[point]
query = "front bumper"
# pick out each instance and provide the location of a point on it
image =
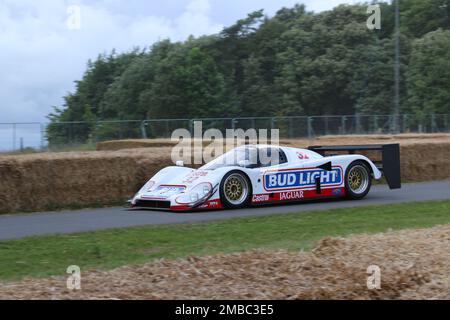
(152, 204)
(172, 205)
(159, 202)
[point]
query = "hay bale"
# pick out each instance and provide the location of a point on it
(43, 181)
(425, 161)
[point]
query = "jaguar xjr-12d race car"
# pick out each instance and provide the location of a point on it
(259, 174)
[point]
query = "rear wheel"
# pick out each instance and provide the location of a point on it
(235, 190)
(358, 180)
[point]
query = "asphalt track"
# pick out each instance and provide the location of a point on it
(23, 225)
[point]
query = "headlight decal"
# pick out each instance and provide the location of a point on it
(147, 187)
(197, 194)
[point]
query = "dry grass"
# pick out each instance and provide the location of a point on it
(415, 264)
(46, 181)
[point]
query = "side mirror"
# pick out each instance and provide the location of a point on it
(180, 163)
(244, 163)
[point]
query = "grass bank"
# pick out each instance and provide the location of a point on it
(51, 255)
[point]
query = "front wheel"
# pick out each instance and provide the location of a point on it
(235, 190)
(358, 180)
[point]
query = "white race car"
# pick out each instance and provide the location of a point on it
(259, 174)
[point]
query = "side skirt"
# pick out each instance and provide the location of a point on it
(297, 195)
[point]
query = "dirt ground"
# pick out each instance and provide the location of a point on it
(414, 264)
(47, 181)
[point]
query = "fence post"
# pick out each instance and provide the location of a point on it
(447, 129)
(96, 131)
(391, 124)
(343, 120)
(167, 129)
(433, 123)
(143, 130)
(42, 135)
(358, 124)
(310, 128)
(14, 136)
(405, 123)
(291, 129)
(191, 127)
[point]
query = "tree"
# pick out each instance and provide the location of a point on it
(419, 17)
(187, 85)
(428, 75)
(123, 100)
(87, 99)
(258, 96)
(295, 63)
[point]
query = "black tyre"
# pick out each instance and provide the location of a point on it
(235, 190)
(358, 180)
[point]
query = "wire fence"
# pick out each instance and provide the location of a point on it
(45, 136)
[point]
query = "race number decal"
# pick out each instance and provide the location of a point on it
(302, 156)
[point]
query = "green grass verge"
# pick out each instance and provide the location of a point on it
(50, 255)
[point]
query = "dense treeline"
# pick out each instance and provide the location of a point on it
(295, 63)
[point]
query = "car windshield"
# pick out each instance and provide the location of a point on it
(243, 157)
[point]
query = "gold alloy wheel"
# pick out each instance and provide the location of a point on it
(233, 189)
(355, 179)
(358, 179)
(236, 189)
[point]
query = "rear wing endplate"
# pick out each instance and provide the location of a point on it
(389, 164)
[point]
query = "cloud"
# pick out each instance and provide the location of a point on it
(195, 18)
(321, 5)
(41, 57)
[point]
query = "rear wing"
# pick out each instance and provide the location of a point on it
(389, 164)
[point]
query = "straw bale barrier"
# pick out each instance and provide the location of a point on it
(47, 181)
(57, 180)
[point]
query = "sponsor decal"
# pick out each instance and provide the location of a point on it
(195, 176)
(164, 191)
(291, 195)
(212, 204)
(170, 189)
(302, 178)
(199, 173)
(260, 198)
(296, 195)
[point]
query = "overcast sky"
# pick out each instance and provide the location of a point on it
(41, 56)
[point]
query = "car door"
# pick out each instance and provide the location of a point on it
(269, 159)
